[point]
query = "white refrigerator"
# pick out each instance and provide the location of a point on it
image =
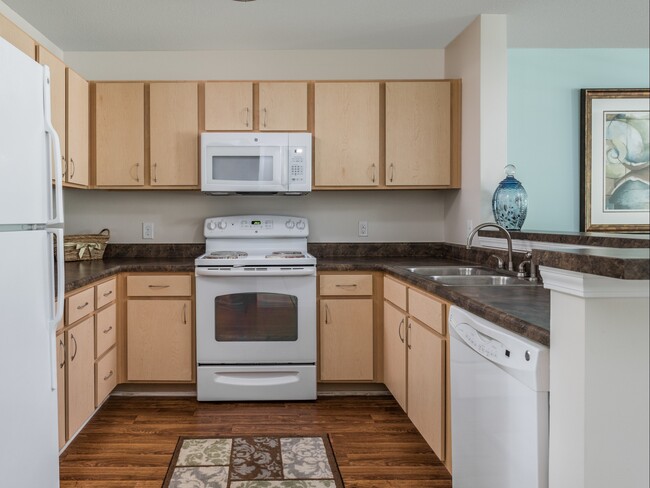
(31, 215)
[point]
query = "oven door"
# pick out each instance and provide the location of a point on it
(256, 319)
(252, 168)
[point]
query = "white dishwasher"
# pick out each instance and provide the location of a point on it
(499, 406)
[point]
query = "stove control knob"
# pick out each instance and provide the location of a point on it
(300, 225)
(222, 224)
(211, 225)
(290, 224)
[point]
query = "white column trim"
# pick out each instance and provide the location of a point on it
(593, 286)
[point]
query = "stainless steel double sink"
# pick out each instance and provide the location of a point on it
(468, 276)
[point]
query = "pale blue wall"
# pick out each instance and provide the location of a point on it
(544, 122)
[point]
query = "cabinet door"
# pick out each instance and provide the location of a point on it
(282, 106)
(346, 339)
(174, 132)
(60, 386)
(159, 340)
(426, 385)
(229, 105)
(57, 96)
(81, 373)
(77, 101)
(119, 134)
(418, 133)
(346, 134)
(395, 352)
(17, 37)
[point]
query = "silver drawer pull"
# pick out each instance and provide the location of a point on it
(106, 331)
(108, 293)
(83, 306)
(74, 354)
(399, 331)
(159, 286)
(354, 285)
(62, 346)
(108, 375)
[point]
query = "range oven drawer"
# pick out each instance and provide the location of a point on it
(256, 382)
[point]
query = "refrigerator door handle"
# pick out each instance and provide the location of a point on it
(56, 292)
(55, 214)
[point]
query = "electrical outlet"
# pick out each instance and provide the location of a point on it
(147, 230)
(363, 228)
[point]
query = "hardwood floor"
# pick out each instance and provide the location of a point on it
(130, 441)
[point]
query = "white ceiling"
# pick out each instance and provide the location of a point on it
(171, 25)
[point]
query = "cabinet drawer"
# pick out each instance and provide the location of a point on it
(427, 310)
(106, 292)
(80, 304)
(105, 328)
(346, 285)
(105, 376)
(159, 286)
(395, 292)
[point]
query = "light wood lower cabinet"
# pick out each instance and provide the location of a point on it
(159, 340)
(415, 360)
(346, 327)
(61, 361)
(80, 340)
(160, 328)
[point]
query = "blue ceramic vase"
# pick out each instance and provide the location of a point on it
(510, 201)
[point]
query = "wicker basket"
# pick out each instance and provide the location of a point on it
(84, 247)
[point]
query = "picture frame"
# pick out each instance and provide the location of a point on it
(614, 163)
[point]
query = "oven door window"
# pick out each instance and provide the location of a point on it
(256, 317)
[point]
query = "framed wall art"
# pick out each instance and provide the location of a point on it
(615, 160)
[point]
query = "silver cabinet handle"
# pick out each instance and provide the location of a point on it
(155, 172)
(374, 176)
(248, 111)
(327, 314)
(106, 331)
(108, 375)
(62, 346)
(108, 293)
(185, 313)
(351, 285)
(399, 331)
(65, 167)
(83, 306)
(408, 336)
(73, 167)
(392, 172)
(159, 286)
(136, 166)
(264, 111)
(74, 354)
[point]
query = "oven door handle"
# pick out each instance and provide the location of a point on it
(257, 271)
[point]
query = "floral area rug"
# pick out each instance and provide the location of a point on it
(254, 462)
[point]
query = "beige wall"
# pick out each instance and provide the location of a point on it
(479, 57)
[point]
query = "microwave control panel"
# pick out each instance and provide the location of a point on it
(297, 164)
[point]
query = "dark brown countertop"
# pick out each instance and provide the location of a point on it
(524, 310)
(82, 273)
(625, 264)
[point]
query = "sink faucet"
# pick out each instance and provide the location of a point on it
(503, 230)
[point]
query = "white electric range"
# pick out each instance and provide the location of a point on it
(256, 310)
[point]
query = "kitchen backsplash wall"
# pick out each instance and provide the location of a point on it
(392, 216)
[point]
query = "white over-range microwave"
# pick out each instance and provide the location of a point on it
(256, 163)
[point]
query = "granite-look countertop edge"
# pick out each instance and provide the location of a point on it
(81, 273)
(624, 264)
(523, 310)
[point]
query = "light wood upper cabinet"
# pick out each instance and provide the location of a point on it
(77, 100)
(229, 106)
(57, 97)
(418, 133)
(17, 37)
(282, 106)
(119, 134)
(174, 134)
(346, 134)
